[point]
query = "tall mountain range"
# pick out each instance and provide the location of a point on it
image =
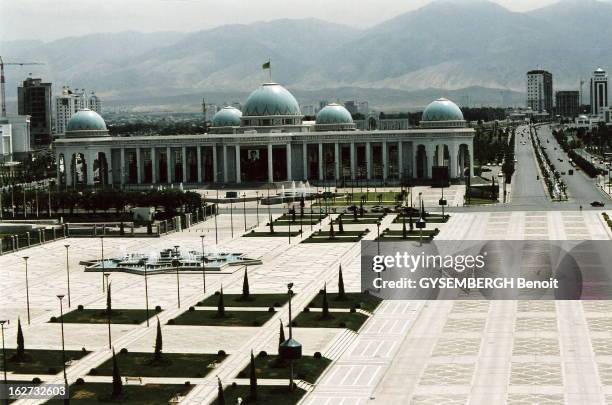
(473, 50)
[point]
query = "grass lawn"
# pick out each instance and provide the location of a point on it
(255, 300)
(349, 219)
(267, 234)
(429, 218)
(364, 301)
(266, 394)
(129, 316)
(339, 320)
(307, 368)
(232, 318)
(149, 394)
(479, 201)
(188, 365)
(325, 239)
(41, 361)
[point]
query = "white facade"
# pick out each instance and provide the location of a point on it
(539, 91)
(599, 93)
(20, 133)
(6, 143)
(69, 102)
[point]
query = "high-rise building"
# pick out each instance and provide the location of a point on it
(34, 99)
(69, 102)
(540, 91)
(363, 108)
(567, 103)
(351, 106)
(599, 92)
(6, 145)
(21, 144)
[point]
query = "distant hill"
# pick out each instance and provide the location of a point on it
(475, 51)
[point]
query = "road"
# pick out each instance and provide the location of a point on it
(581, 189)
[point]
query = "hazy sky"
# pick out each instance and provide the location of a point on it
(52, 19)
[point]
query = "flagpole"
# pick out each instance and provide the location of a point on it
(270, 70)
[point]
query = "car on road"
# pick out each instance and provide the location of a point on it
(597, 204)
(377, 208)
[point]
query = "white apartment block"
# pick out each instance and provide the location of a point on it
(69, 102)
(599, 93)
(539, 91)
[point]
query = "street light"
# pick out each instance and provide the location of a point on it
(61, 297)
(378, 236)
(257, 206)
(176, 263)
(203, 268)
(244, 209)
(290, 349)
(143, 263)
(102, 251)
(68, 273)
(2, 322)
(216, 213)
(232, 216)
(25, 258)
(109, 311)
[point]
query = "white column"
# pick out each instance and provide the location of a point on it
(289, 176)
(238, 163)
(305, 159)
(184, 161)
(400, 160)
(415, 162)
(440, 149)
(138, 167)
(121, 166)
(270, 166)
(430, 158)
(385, 161)
(90, 164)
(225, 163)
(453, 161)
(369, 160)
(215, 165)
(320, 161)
(169, 164)
(471, 150)
(338, 160)
(109, 166)
(199, 157)
(153, 166)
(352, 155)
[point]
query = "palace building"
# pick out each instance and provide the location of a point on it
(269, 141)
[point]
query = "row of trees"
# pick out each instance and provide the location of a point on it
(95, 201)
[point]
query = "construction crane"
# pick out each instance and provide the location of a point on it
(2, 63)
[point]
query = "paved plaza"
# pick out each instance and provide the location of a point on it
(464, 352)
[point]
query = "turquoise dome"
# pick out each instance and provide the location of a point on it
(271, 99)
(334, 114)
(86, 120)
(227, 117)
(442, 110)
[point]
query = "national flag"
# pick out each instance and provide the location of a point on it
(266, 65)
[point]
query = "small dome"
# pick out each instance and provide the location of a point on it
(271, 99)
(334, 114)
(227, 117)
(86, 120)
(442, 110)
(583, 117)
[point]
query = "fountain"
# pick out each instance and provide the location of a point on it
(164, 262)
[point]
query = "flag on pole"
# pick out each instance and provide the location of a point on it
(266, 65)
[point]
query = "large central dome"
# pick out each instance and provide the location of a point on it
(442, 110)
(271, 99)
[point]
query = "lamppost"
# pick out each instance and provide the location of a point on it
(257, 206)
(143, 263)
(289, 218)
(102, 251)
(216, 213)
(176, 263)
(108, 311)
(2, 322)
(68, 273)
(290, 349)
(61, 297)
(378, 236)
(232, 216)
(25, 258)
(244, 209)
(203, 268)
